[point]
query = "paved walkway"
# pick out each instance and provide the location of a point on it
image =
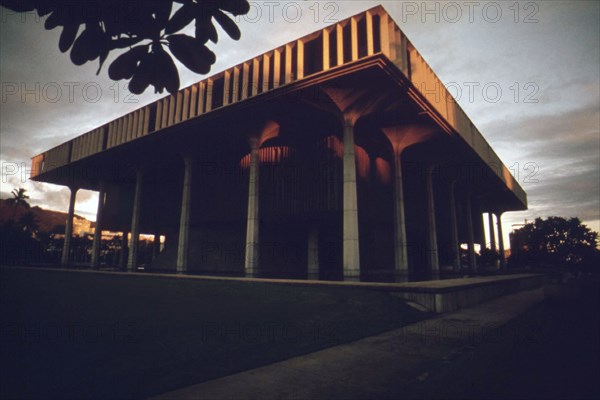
(381, 366)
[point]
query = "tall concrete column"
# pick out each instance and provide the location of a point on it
(98, 231)
(69, 228)
(313, 254)
(351, 255)
(155, 246)
(400, 246)
(453, 228)
(432, 250)
(500, 241)
(252, 241)
(184, 221)
(470, 235)
(480, 229)
(352, 104)
(124, 250)
(135, 223)
(401, 137)
(492, 232)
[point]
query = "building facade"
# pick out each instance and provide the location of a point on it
(339, 155)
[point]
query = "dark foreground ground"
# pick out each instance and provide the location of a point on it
(83, 335)
(78, 335)
(552, 351)
(519, 346)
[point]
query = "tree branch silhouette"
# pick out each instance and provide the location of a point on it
(92, 29)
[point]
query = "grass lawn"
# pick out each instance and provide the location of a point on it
(84, 335)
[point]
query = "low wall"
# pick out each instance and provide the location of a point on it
(438, 296)
(455, 294)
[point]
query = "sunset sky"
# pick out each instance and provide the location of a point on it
(543, 56)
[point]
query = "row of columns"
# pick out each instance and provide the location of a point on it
(129, 247)
(401, 138)
(351, 255)
(432, 252)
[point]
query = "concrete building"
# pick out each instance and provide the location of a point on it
(339, 155)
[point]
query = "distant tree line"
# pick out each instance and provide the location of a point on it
(22, 242)
(555, 244)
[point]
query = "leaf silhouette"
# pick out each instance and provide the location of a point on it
(180, 19)
(228, 25)
(53, 20)
(192, 53)
(67, 37)
(162, 11)
(205, 30)
(80, 50)
(125, 65)
(44, 8)
(103, 52)
(142, 76)
(166, 74)
(235, 7)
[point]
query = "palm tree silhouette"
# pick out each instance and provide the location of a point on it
(19, 200)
